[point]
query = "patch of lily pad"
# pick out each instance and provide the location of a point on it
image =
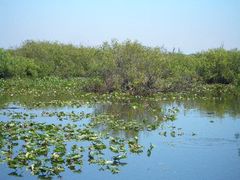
(42, 148)
(46, 149)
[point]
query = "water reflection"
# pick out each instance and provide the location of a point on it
(237, 135)
(47, 147)
(215, 107)
(62, 139)
(127, 119)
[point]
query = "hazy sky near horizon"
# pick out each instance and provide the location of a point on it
(191, 25)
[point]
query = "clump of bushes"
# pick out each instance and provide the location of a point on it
(11, 66)
(127, 67)
(219, 66)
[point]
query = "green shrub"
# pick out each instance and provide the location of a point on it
(128, 66)
(219, 66)
(17, 66)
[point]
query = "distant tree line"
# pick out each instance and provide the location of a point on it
(128, 66)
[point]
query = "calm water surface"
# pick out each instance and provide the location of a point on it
(206, 145)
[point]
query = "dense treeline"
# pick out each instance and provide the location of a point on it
(128, 66)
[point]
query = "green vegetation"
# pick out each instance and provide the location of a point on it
(11, 66)
(124, 67)
(127, 87)
(46, 127)
(72, 140)
(54, 91)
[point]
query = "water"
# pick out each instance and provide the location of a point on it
(202, 143)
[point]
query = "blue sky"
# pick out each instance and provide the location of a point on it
(191, 25)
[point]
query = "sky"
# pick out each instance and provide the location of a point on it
(191, 25)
